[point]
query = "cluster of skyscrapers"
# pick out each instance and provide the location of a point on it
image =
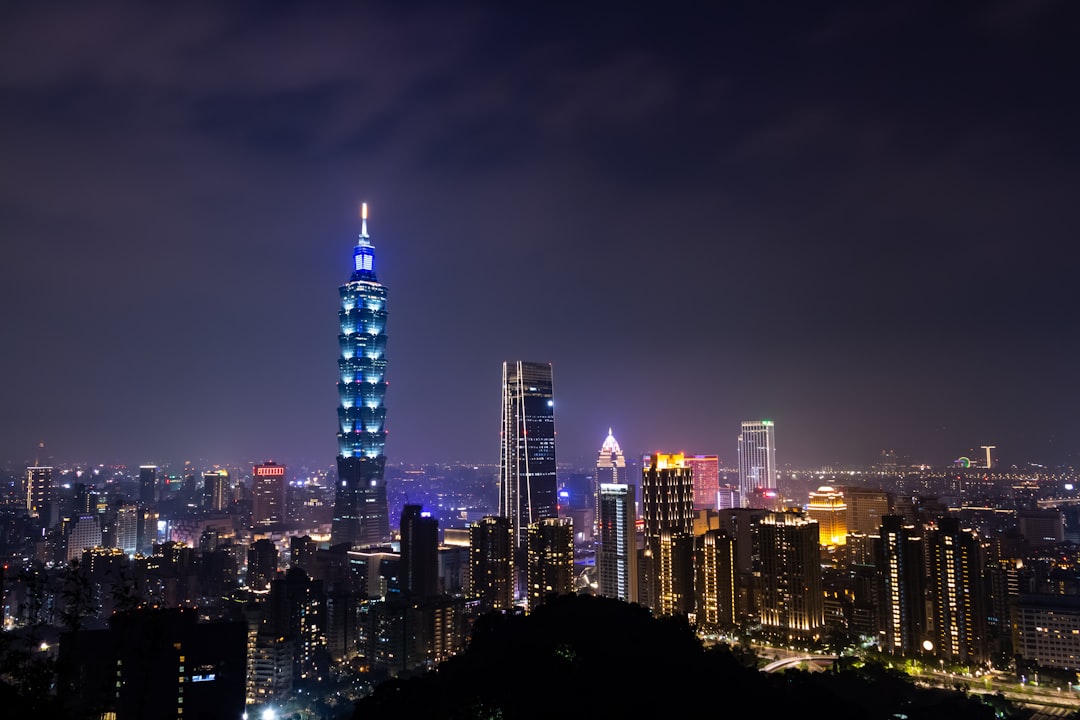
(666, 532)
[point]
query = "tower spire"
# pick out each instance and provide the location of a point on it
(363, 220)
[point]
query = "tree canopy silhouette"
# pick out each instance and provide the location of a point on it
(582, 656)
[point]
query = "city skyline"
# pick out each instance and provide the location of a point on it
(855, 221)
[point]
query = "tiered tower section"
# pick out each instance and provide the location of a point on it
(360, 509)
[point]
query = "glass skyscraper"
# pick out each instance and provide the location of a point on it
(757, 461)
(527, 483)
(361, 516)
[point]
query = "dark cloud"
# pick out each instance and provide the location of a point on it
(855, 219)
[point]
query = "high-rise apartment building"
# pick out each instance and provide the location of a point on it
(667, 506)
(616, 550)
(757, 460)
(267, 494)
(491, 563)
(706, 479)
(901, 603)
(262, 564)
(550, 560)
(296, 609)
(715, 581)
(127, 529)
(528, 491)
(39, 493)
(956, 589)
(792, 600)
(741, 524)
(361, 514)
(216, 491)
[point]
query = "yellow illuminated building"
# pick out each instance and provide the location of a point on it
(827, 506)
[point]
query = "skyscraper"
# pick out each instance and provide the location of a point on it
(715, 582)
(267, 494)
(827, 506)
(757, 460)
(610, 469)
(792, 602)
(616, 552)
(216, 491)
(527, 482)
(956, 590)
(706, 479)
(361, 515)
(667, 506)
(901, 606)
(38, 489)
(148, 484)
(419, 552)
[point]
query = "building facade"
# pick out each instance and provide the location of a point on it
(827, 506)
(217, 495)
(267, 494)
(148, 481)
(39, 491)
(491, 564)
(550, 569)
(715, 584)
(528, 488)
(706, 479)
(667, 506)
(901, 594)
(616, 549)
(791, 604)
(361, 513)
(419, 552)
(757, 460)
(956, 585)
(611, 469)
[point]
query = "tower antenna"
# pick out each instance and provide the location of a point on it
(363, 220)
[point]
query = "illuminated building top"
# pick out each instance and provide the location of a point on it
(610, 446)
(362, 364)
(361, 516)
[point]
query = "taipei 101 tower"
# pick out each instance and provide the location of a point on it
(361, 516)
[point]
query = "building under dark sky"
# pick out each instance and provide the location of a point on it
(528, 486)
(361, 514)
(856, 219)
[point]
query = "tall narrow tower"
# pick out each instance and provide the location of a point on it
(527, 483)
(610, 469)
(361, 516)
(757, 461)
(667, 508)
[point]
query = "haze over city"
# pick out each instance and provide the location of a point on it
(854, 219)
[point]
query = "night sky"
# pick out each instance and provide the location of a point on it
(855, 219)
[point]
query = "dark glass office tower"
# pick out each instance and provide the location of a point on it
(361, 516)
(527, 484)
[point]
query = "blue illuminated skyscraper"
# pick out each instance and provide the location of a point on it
(361, 516)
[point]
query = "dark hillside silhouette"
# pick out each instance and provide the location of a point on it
(582, 656)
